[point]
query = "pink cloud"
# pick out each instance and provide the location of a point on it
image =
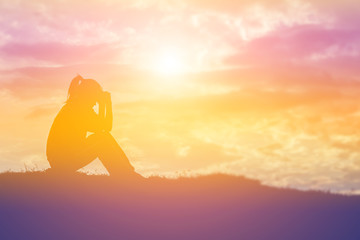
(296, 45)
(67, 33)
(61, 53)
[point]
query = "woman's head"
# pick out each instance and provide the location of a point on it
(84, 91)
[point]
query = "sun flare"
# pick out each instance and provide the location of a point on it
(170, 62)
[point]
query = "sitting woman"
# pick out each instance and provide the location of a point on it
(68, 146)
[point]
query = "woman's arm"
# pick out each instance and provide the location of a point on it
(103, 120)
(108, 118)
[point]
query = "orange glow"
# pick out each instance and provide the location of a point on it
(266, 89)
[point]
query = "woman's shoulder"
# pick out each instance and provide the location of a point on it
(75, 110)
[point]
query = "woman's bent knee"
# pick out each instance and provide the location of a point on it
(100, 141)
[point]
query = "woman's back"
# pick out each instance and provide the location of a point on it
(68, 132)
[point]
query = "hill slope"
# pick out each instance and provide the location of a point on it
(39, 206)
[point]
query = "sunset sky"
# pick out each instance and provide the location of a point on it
(267, 89)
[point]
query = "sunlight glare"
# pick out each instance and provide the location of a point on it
(170, 62)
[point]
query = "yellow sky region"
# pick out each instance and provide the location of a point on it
(200, 123)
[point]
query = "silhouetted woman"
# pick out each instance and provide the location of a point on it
(68, 146)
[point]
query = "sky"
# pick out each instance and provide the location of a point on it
(266, 89)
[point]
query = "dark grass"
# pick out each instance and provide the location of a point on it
(42, 206)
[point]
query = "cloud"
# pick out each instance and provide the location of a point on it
(59, 53)
(236, 7)
(52, 31)
(299, 45)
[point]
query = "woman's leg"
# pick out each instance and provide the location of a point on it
(110, 154)
(69, 163)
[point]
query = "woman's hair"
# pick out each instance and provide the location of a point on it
(83, 88)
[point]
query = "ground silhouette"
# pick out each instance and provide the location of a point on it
(40, 206)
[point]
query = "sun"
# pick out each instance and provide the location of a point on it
(169, 62)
